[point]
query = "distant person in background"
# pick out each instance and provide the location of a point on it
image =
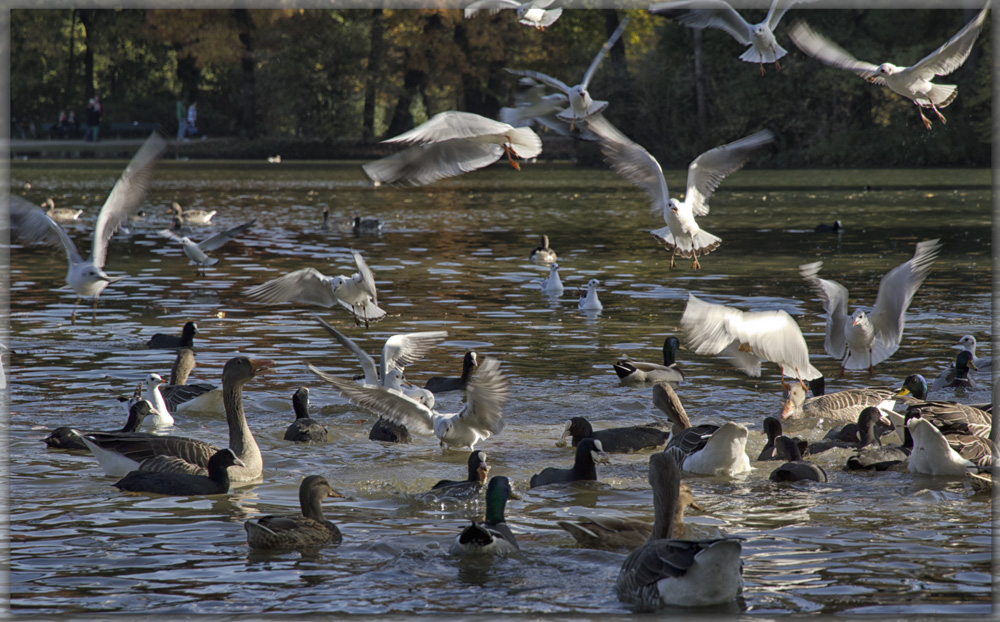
(94, 113)
(72, 127)
(61, 127)
(192, 119)
(182, 124)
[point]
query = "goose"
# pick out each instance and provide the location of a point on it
(162, 341)
(86, 277)
(686, 573)
(796, 469)
(708, 449)
(759, 38)
(397, 352)
(480, 418)
(184, 397)
(863, 340)
(68, 438)
(589, 300)
(441, 384)
(478, 469)
(746, 337)
(589, 453)
(609, 532)
(552, 285)
(184, 484)
(536, 13)
(632, 372)
(309, 286)
(195, 251)
(616, 440)
(932, 454)
(119, 453)
(581, 105)
(366, 226)
(304, 429)
(191, 216)
(61, 214)
(161, 416)
(843, 406)
(492, 536)
(914, 82)
(310, 529)
(451, 143)
(682, 235)
(543, 253)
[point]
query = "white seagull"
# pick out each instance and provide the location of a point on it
(865, 340)
(480, 418)
(160, 414)
(914, 82)
(357, 294)
(701, 14)
(746, 337)
(196, 250)
(588, 299)
(531, 13)
(581, 105)
(980, 363)
(397, 352)
(682, 234)
(451, 143)
(87, 277)
(552, 285)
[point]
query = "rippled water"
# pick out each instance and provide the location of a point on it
(454, 256)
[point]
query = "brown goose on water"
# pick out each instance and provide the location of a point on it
(306, 530)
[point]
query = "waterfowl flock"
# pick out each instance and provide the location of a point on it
(663, 564)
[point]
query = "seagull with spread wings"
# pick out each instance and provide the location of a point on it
(538, 13)
(196, 250)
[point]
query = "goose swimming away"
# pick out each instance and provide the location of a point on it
(86, 277)
(61, 214)
(543, 253)
(708, 449)
(304, 429)
(589, 453)
(191, 216)
(492, 536)
(184, 484)
(119, 453)
(451, 143)
(864, 340)
(164, 341)
(442, 384)
(581, 105)
(68, 438)
(624, 440)
(552, 285)
(685, 573)
(536, 13)
(308, 286)
(682, 235)
(632, 372)
(309, 529)
(480, 418)
(472, 484)
(588, 299)
(914, 82)
(700, 14)
(196, 250)
(747, 337)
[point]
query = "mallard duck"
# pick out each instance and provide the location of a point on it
(980, 363)
(843, 406)
(68, 438)
(120, 452)
(492, 536)
(957, 375)
(184, 397)
(686, 573)
(304, 429)
(588, 299)
(932, 453)
(796, 469)
(865, 340)
(165, 342)
(442, 384)
(630, 371)
(616, 440)
(949, 417)
(478, 469)
(306, 530)
(61, 214)
(542, 253)
(709, 449)
(552, 284)
(191, 216)
(589, 453)
(184, 484)
(609, 532)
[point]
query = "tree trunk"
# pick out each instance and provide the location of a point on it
(248, 84)
(699, 82)
(87, 19)
(371, 78)
(402, 118)
(67, 102)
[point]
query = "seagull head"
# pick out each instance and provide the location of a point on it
(885, 69)
(858, 317)
(675, 207)
(154, 380)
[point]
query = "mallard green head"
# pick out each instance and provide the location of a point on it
(914, 385)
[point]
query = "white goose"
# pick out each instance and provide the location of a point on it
(708, 448)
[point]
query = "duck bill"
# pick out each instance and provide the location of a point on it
(334, 493)
(787, 409)
(562, 439)
(695, 505)
(261, 366)
(903, 392)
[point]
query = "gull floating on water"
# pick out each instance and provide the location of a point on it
(87, 277)
(682, 233)
(588, 300)
(864, 340)
(746, 337)
(531, 13)
(451, 143)
(914, 82)
(552, 285)
(196, 250)
(357, 294)
(581, 105)
(701, 14)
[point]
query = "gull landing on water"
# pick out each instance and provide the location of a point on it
(196, 250)
(452, 143)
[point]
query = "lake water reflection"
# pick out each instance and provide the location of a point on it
(453, 256)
